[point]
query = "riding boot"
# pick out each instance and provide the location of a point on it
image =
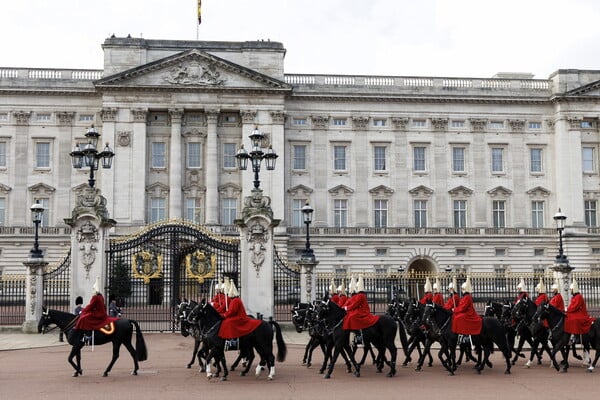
(471, 343)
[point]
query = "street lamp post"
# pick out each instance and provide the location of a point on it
(89, 156)
(307, 212)
(37, 210)
(560, 218)
(256, 155)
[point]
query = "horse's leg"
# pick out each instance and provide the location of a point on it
(423, 355)
(307, 349)
(76, 353)
(391, 346)
(519, 349)
(250, 359)
(327, 355)
(115, 356)
(194, 353)
(347, 361)
(131, 350)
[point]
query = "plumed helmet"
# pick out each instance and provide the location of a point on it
(332, 286)
(555, 286)
(466, 286)
(360, 284)
(233, 292)
(352, 285)
(453, 286)
(226, 284)
(521, 286)
(427, 286)
(436, 285)
(96, 287)
(574, 286)
(342, 288)
(540, 287)
(217, 284)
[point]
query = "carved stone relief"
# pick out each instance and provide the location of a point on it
(108, 114)
(22, 117)
(64, 117)
(124, 138)
(258, 236)
(320, 121)
(192, 73)
(400, 123)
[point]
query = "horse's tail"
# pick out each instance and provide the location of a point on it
(403, 337)
(141, 352)
(281, 347)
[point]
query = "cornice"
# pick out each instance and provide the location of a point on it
(416, 99)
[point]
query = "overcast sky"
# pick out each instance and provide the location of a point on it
(444, 38)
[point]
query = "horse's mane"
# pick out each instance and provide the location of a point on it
(60, 318)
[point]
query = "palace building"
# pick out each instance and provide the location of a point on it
(404, 173)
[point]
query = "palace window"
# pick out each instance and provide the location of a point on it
(535, 160)
(379, 163)
(339, 121)
(299, 157)
(590, 207)
(193, 210)
(420, 213)
(297, 217)
(340, 213)
(229, 152)
(419, 159)
(587, 155)
(159, 155)
(537, 214)
(499, 213)
(157, 209)
(3, 154)
(497, 159)
(457, 124)
(458, 159)
(380, 213)
(339, 158)
(194, 152)
(460, 213)
(299, 121)
(228, 211)
(535, 125)
(42, 154)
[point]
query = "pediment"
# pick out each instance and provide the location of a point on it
(591, 89)
(192, 69)
(421, 190)
(460, 191)
(230, 190)
(538, 191)
(341, 190)
(499, 191)
(4, 189)
(381, 190)
(41, 188)
(300, 190)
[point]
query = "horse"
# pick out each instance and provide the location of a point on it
(304, 318)
(560, 339)
(413, 322)
(261, 340)
(121, 335)
(492, 332)
(522, 313)
(397, 310)
(187, 328)
(382, 335)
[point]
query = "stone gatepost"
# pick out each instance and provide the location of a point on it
(307, 279)
(34, 295)
(561, 271)
(90, 224)
(256, 243)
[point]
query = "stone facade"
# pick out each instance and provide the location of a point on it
(417, 173)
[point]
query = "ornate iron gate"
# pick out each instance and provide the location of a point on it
(286, 287)
(57, 285)
(151, 271)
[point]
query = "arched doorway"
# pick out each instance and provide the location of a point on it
(418, 270)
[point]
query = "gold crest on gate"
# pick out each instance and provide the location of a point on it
(199, 266)
(147, 266)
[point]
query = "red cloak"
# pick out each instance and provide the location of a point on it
(438, 299)
(428, 296)
(358, 314)
(578, 320)
(465, 319)
(558, 302)
(94, 316)
(452, 302)
(541, 299)
(236, 322)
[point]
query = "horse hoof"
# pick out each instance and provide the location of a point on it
(223, 378)
(269, 378)
(326, 376)
(478, 372)
(391, 374)
(590, 369)
(357, 374)
(105, 374)
(417, 368)
(189, 366)
(308, 365)
(242, 373)
(133, 372)
(209, 376)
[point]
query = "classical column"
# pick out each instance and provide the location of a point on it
(176, 160)
(19, 213)
(212, 169)
(276, 178)
(136, 199)
(34, 293)
(248, 125)
(65, 146)
(107, 181)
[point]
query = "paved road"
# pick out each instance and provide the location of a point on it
(43, 373)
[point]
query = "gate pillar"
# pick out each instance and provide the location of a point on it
(562, 273)
(307, 279)
(256, 242)
(34, 293)
(90, 224)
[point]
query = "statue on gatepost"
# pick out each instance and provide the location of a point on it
(90, 223)
(256, 241)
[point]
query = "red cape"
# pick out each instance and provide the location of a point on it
(358, 314)
(94, 316)
(578, 320)
(236, 322)
(465, 319)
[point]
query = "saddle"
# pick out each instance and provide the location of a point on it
(108, 329)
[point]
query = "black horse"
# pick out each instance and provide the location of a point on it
(187, 328)
(503, 311)
(123, 331)
(304, 318)
(261, 340)
(382, 335)
(413, 322)
(492, 332)
(560, 339)
(397, 309)
(522, 313)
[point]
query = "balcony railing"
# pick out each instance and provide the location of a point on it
(411, 231)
